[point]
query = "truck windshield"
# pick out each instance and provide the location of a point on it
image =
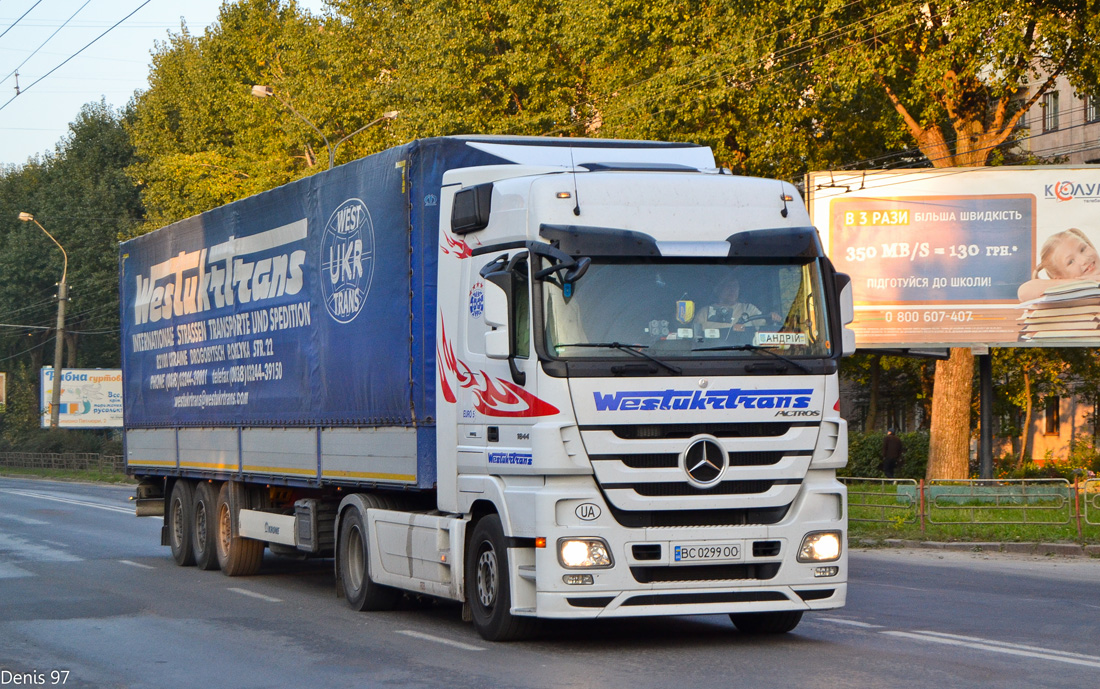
(688, 309)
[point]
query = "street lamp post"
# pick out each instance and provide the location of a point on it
(261, 91)
(62, 297)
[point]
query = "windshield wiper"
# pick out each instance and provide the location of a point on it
(753, 348)
(635, 349)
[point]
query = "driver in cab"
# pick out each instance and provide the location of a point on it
(729, 314)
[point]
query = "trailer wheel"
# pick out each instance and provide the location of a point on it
(204, 529)
(360, 592)
(237, 556)
(180, 522)
(487, 588)
(766, 622)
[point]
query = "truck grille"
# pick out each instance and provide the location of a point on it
(683, 431)
(638, 468)
(668, 460)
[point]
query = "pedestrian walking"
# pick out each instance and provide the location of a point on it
(892, 449)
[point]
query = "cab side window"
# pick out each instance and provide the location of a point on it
(521, 311)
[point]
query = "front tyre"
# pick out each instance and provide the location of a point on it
(766, 622)
(488, 591)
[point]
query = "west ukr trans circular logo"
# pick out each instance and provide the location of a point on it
(347, 260)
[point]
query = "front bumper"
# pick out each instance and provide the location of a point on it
(645, 579)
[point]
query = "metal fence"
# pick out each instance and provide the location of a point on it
(883, 500)
(68, 461)
(1090, 496)
(993, 501)
(1043, 502)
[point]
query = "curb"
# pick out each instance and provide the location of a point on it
(1043, 549)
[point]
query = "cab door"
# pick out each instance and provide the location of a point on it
(497, 395)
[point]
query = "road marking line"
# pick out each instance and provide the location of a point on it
(24, 520)
(1007, 644)
(853, 623)
(895, 586)
(136, 564)
(253, 594)
(1000, 647)
(69, 501)
(439, 640)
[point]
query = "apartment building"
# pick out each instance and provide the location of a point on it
(1063, 125)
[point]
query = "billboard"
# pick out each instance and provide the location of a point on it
(90, 397)
(966, 257)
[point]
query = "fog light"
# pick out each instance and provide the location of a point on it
(820, 546)
(578, 579)
(582, 553)
(826, 571)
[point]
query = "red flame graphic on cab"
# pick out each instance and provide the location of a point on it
(493, 396)
(456, 247)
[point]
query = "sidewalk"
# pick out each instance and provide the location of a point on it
(1047, 549)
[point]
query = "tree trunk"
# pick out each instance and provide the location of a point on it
(1025, 434)
(949, 441)
(872, 404)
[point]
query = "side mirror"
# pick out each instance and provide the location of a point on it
(847, 313)
(499, 302)
(497, 340)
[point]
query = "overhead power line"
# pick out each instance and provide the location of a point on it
(43, 44)
(10, 27)
(66, 60)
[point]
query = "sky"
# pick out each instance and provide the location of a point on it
(111, 68)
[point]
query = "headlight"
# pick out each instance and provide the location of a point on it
(820, 546)
(579, 553)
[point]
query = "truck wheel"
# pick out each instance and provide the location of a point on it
(360, 592)
(766, 622)
(204, 529)
(487, 588)
(237, 556)
(180, 521)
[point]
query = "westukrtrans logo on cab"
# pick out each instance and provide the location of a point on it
(692, 400)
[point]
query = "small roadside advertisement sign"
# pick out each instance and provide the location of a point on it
(90, 397)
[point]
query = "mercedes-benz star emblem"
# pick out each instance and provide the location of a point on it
(704, 461)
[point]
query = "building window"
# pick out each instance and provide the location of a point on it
(1050, 415)
(1092, 112)
(1050, 112)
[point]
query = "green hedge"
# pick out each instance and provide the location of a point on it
(865, 455)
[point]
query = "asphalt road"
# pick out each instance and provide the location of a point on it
(87, 592)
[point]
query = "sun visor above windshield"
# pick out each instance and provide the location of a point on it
(781, 242)
(577, 240)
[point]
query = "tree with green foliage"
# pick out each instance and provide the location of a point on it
(955, 73)
(82, 196)
(1027, 375)
(893, 386)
